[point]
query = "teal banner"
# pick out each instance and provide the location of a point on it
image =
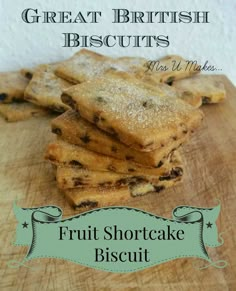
(117, 239)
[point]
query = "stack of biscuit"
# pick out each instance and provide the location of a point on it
(120, 138)
(123, 122)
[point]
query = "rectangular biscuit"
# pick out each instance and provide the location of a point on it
(75, 130)
(171, 68)
(20, 111)
(133, 111)
(45, 89)
(82, 66)
(203, 87)
(69, 177)
(12, 87)
(88, 198)
(69, 155)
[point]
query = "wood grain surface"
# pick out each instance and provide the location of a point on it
(210, 174)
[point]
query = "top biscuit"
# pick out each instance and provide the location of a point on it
(132, 111)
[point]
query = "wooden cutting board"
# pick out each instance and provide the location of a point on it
(210, 174)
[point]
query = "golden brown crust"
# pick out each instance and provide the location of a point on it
(133, 111)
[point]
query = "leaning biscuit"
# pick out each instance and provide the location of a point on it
(65, 154)
(45, 89)
(12, 87)
(204, 87)
(132, 111)
(76, 130)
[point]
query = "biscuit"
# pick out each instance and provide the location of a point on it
(84, 199)
(132, 111)
(69, 155)
(45, 89)
(204, 87)
(20, 111)
(171, 68)
(69, 177)
(75, 130)
(12, 87)
(83, 66)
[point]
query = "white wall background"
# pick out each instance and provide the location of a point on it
(31, 44)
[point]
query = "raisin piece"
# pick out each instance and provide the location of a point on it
(131, 170)
(76, 163)
(29, 75)
(51, 158)
(121, 182)
(114, 149)
(57, 131)
(68, 100)
(170, 80)
(140, 179)
(177, 172)
(148, 104)
(112, 131)
(174, 173)
(159, 188)
(206, 100)
(185, 131)
(87, 203)
(159, 164)
(95, 118)
(101, 100)
(78, 181)
(3, 96)
(85, 138)
(128, 158)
